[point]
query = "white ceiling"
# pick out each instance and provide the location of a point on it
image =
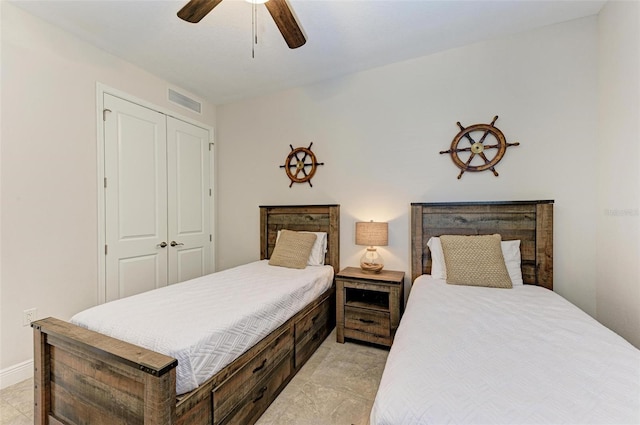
(213, 58)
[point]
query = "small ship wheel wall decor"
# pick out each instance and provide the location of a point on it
(301, 165)
(480, 150)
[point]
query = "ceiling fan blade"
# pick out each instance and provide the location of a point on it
(286, 22)
(195, 10)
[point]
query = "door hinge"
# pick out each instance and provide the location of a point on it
(209, 192)
(104, 114)
(210, 144)
(210, 238)
(105, 182)
(106, 249)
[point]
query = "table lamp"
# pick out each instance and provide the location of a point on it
(372, 234)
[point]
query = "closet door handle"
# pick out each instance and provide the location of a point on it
(162, 244)
(174, 243)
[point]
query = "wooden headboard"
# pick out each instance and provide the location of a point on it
(529, 221)
(312, 218)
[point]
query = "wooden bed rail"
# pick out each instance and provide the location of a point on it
(120, 383)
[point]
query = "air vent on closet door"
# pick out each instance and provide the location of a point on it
(185, 101)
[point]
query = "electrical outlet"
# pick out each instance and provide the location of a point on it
(29, 316)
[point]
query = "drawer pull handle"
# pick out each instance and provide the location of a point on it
(264, 362)
(315, 336)
(367, 321)
(314, 318)
(262, 391)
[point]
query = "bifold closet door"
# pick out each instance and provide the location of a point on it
(157, 224)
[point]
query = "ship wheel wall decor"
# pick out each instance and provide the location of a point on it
(301, 165)
(478, 150)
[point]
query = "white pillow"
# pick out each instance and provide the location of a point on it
(510, 252)
(316, 257)
(438, 269)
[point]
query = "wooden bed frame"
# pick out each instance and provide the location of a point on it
(529, 221)
(84, 377)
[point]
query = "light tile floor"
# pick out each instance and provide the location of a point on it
(336, 386)
(16, 404)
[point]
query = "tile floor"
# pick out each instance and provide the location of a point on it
(16, 404)
(335, 387)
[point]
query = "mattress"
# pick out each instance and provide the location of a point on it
(474, 355)
(207, 322)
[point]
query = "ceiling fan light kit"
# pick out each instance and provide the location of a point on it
(279, 10)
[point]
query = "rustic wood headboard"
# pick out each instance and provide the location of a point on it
(311, 218)
(529, 221)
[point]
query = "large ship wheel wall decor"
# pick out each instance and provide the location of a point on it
(301, 165)
(478, 150)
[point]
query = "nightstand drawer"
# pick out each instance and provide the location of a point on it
(370, 321)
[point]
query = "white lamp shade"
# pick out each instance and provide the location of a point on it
(372, 233)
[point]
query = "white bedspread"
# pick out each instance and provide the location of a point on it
(472, 355)
(208, 322)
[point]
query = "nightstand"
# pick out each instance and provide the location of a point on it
(368, 305)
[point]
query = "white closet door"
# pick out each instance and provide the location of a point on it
(188, 200)
(135, 198)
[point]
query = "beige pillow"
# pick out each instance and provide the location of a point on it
(292, 249)
(475, 261)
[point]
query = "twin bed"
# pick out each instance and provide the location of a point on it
(487, 355)
(462, 354)
(213, 350)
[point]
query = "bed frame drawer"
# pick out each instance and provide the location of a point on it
(235, 389)
(249, 409)
(312, 329)
(369, 321)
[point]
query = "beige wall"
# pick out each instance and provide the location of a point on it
(379, 134)
(618, 239)
(49, 172)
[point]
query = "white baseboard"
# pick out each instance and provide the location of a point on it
(16, 373)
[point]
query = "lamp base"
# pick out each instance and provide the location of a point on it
(371, 261)
(371, 267)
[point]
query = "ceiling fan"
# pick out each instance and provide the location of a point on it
(195, 10)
